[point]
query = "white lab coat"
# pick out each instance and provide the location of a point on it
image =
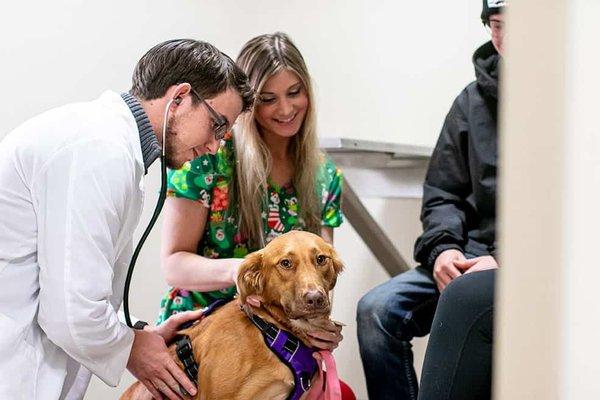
(70, 198)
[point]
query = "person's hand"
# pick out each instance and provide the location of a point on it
(476, 264)
(254, 300)
(444, 269)
(168, 329)
(328, 336)
(151, 363)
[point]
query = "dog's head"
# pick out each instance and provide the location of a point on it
(295, 272)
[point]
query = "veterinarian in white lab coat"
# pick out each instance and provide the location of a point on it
(71, 193)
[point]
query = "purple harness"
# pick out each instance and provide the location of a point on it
(287, 347)
(292, 352)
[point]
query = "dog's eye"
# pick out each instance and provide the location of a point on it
(321, 259)
(285, 263)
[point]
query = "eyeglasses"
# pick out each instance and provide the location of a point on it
(494, 27)
(219, 121)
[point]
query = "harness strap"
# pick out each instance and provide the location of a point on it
(266, 328)
(290, 344)
(186, 356)
(290, 350)
(183, 344)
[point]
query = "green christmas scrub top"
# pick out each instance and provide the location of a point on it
(206, 180)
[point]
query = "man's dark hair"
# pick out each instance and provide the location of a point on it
(202, 65)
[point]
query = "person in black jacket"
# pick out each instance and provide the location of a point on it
(459, 230)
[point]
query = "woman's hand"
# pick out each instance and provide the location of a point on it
(328, 337)
(168, 329)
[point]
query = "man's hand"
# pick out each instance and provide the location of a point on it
(476, 264)
(151, 363)
(444, 269)
(168, 329)
(328, 337)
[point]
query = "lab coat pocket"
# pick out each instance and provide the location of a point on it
(18, 361)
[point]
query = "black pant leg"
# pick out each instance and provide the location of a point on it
(458, 361)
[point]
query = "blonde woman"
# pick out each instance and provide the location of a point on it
(268, 178)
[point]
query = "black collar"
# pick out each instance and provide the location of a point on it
(150, 148)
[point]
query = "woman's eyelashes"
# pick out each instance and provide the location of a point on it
(266, 100)
(272, 99)
(294, 91)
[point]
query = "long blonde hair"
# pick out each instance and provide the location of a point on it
(260, 59)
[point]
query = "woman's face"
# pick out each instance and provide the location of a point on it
(282, 104)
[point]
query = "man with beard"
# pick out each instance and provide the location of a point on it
(70, 198)
(459, 238)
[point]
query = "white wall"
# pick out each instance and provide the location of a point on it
(383, 70)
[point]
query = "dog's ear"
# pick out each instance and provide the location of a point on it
(250, 279)
(338, 266)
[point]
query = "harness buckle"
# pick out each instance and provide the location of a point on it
(305, 382)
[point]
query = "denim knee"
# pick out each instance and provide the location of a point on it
(367, 312)
(401, 308)
(379, 314)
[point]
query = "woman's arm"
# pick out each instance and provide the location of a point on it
(184, 222)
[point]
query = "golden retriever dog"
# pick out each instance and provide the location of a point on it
(292, 276)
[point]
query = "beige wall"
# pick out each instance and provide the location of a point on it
(383, 70)
(547, 317)
(530, 308)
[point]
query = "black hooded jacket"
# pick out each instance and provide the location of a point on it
(459, 194)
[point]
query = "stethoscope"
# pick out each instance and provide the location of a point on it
(159, 205)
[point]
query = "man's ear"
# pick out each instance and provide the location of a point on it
(250, 279)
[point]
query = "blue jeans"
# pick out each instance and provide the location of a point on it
(389, 317)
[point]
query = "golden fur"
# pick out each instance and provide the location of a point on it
(234, 361)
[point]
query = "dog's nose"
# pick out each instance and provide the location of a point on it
(314, 299)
